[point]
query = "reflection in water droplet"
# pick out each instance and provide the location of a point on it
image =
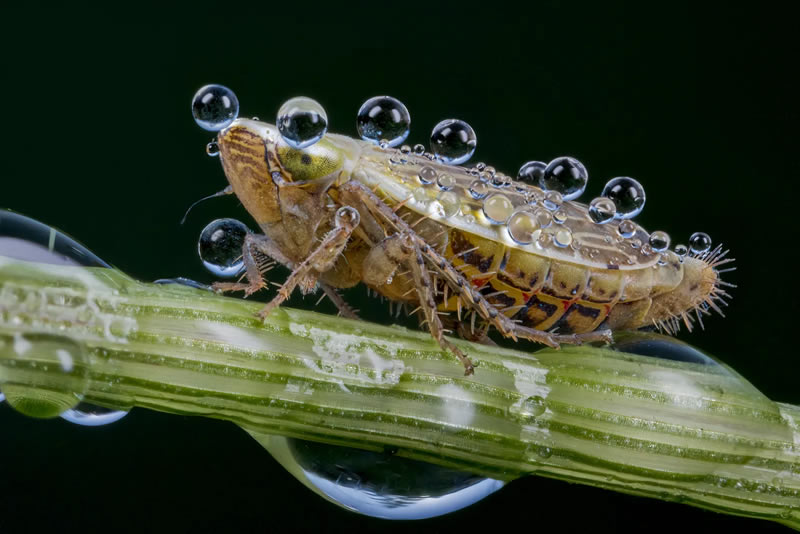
(626, 228)
(532, 172)
(220, 247)
(478, 189)
(563, 237)
(214, 107)
(497, 208)
(376, 484)
(453, 141)
(602, 210)
(419, 149)
(42, 374)
(552, 200)
(627, 194)
(699, 242)
(446, 182)
(560, 217)
(90, 415)
(521, 227)
(451, 203)
(427, 175)
(302, 121)
(383, 117)
(566, 175)
(659, 241)
(212, 149)
(681, 251)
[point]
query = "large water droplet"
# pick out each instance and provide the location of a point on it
(532, 172)
(659, 240)
(90, 415)
(521, 227)
(453, 141)
(627, 194)
(497, 208)
(378, 484)
(602, 210)
(383, 117)
(302, 121)
(220, 247)
(566, 175)
(699, 242)
(42, 374)
(214, 107)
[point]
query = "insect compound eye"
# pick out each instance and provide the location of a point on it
(347, 216)
(310, 163)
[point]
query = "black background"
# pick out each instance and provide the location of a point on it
(699, 103)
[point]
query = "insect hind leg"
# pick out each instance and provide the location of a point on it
(254, 246)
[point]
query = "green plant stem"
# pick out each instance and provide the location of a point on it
(698, 434)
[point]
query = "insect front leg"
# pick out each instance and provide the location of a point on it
(320, 259)
(253, 247)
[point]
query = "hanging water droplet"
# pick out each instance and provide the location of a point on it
(699, 242)
(302, 121)
(453, 141)
(566, 175)
(214, 107)
(521, 227)
(90, 415)
(220, 247)
(659, 241)
(627, 194)
(42, 374)
(427, 175)
(532, 172)
(681, 251)
(383, 117)
(497, 208)
(602, 210)
(479, 189)
(552, 200)
(626, 228)
(212, 149)
(560, 216)
(446, 182)
(451, 203)
(563, 237)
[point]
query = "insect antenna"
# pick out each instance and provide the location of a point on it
(227, 191)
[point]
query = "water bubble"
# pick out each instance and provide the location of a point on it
(498, 208)
(478, 189)
(659, 241)
(427, 175)
(563, 237)
(566, 175)
(214, 107)
(302, 121)
(446, 182)
(451, 203)
(379, 484)
(681, 250)
(521, 227)
(532, 172)
(627, 194)
(543, 218)
(626, 229)
(699, 242)
(453, 141)
(220, 247)
(346, 216)
(602, 210)
(419, 149)
(383, 117)
(85, 414)
(552, 200)
(560, 217)
(212, 149)
(41, 374)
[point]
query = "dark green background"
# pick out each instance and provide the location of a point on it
(698, 103)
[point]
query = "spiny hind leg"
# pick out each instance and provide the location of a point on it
(258, 254)
(382, 263)
(345, 310)
(320, 260)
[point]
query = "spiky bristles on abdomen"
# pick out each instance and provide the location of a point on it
(700, 291)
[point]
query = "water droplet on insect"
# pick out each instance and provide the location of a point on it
(405, 150)
(626, 228)
(681, 251)
(419, 149)
(469, 218)
(627, 194)
(478, 189)
(220, 247)
(552, 200)
(302, 121)
(532, 172)
(378, 484)
(636, 243)
(563, 237)
(420, 195)
(214, 107)
(602, 210)
(560, 216)
(427, 175)
(453, 141)
(383, 117)
(521, 227)
(699, 242)
(543, 217)
(212, 149)
(566, 175)
(451, 203)
(646, 249)
(85, 414)
(346, 216)
(497, 208)
(659, 241)
(446, 182)
(41, 374)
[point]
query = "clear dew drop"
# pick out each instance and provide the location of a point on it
(453, 141)
(626, 229)
(85, 414)
(383, 118)
(497, 208)
(302, 121)
(560, 216)
(532, 172)
(419, 149)
(451, 203)
(41, 374)
(699, 242)
(562, 237)
(220, 247)
(659, 240)
(565, 175)
(427, 175)
(420, 195)
(212, 149)
(602, 210)
(521, 227)
(214, 107)
(552, 200)
(543, 218)
(681, 251)
(446, 182)
(627, 194)
(478, 189)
